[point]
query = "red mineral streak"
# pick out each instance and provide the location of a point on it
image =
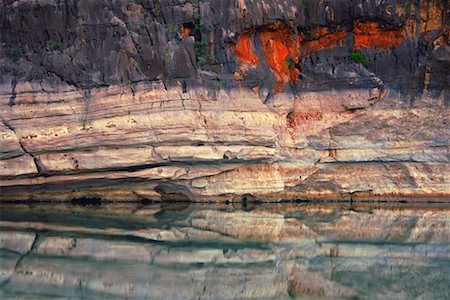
(186, 31)
(283, 49)
(369, 34)
(322, 39)
(280, 52)
(280, 48)
(296, 119)
(245, 49)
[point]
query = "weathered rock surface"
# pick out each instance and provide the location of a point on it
(225, 100)
(335, 251)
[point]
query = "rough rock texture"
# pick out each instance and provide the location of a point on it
(296, 251)
(224, 100)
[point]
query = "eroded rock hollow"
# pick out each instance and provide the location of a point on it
(217, 100)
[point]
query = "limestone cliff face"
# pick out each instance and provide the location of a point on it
(224, 100)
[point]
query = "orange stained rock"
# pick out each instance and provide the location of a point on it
(410, 28)
(298, 118)
(255, 90)
(322, 39)
(245, 49)
(276, 53)
(295, 73)
(186, 31)
(369, 34)
(282, 48)
(281, 52)
(430, 15)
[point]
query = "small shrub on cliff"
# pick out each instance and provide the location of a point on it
(15, 51)
(358, 57)
(203, 55)
(200, 47)
(132, 27)
(168, 53)
(55, 45)
(172, 28)
(197, 26)
(142, 24)
(310, 35)
(302, 4)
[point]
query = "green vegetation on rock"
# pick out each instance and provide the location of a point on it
(55, 45)
(358, 57)
(15, 51)
(172, 28)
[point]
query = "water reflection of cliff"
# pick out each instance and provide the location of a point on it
(187, 251)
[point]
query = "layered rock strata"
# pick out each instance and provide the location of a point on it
(225, 100)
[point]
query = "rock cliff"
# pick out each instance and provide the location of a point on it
(216, 100)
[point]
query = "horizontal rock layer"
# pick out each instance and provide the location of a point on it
(154, 143)
(209, 252)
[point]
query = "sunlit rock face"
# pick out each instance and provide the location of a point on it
(134, 251)
(224, 100)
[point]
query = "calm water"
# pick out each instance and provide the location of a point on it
(190, 251)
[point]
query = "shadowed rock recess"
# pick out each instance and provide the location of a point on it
(215, 100)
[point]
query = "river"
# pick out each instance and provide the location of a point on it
(335, 250)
